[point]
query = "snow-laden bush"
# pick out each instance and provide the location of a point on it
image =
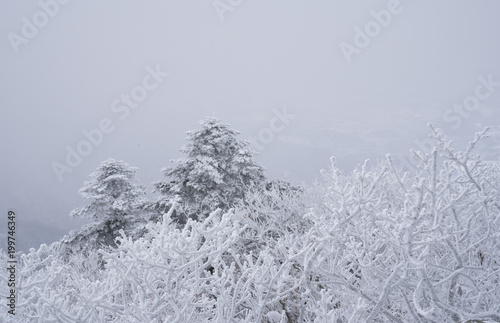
(196, 274)
(272, 213)
(392, 247)
(51, 289)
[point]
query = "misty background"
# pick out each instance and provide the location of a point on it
(246, 62)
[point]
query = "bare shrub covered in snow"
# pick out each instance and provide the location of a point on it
(390, 247)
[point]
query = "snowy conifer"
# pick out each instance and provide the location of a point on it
(217, 171)
(115, 206)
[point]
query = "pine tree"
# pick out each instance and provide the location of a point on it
(116, 204)
(216, 173)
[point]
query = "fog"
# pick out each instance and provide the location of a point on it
(304, 81)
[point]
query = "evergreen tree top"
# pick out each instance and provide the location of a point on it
(217, 171)
(215, 139)
(114, 191)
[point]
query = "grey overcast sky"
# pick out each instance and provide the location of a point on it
(306, 80)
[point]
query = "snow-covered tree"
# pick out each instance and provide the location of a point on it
(216, 173)
(116, 200)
